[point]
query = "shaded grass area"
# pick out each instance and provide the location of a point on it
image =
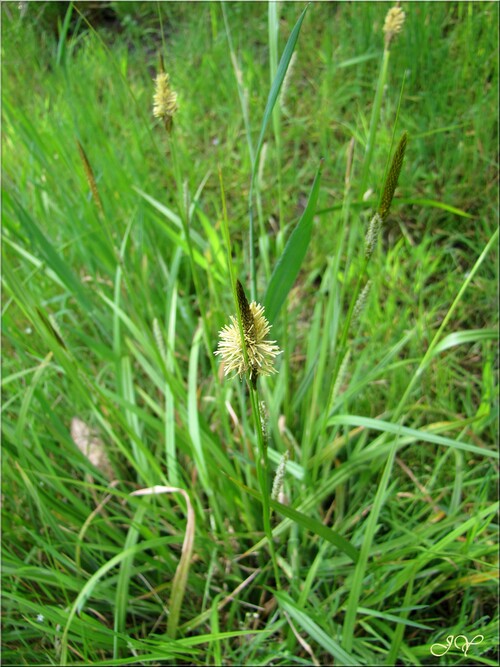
(101, 321)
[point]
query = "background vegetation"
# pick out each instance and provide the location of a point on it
(103, 342)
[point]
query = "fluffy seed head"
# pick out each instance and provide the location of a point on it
(260, 352)
(393, 24)
(361, 302)
(164, 99)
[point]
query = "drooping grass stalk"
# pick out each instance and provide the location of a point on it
(373, 519)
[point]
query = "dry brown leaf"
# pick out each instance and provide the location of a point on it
(91, 446)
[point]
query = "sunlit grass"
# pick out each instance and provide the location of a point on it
(383, 534)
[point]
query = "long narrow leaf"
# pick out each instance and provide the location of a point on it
(397, 429)
(313, 525)
(288, 266)
(276, 86)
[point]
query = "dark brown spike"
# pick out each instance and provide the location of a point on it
(246, 314)
(89, 173)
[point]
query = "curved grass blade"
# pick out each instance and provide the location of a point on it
(271, 101)
(288, 266)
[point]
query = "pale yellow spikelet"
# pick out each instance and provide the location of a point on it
(164, 99)
(260, 352)
(393, 24)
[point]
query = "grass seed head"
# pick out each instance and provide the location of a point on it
(361, 302)
(164, 100)
(393, 24)
(260, 352)
(372, 235)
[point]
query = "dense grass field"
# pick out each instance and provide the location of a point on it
(122, 244)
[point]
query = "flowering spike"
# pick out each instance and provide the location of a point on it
(372, 235)
(260, 352)
(165, 99)
(392, 177)
(393, 24)
(279, 478)
(246, 315)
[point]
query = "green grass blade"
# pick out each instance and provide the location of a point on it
(432, 203)
(313, 525)
(341, 656)
(276, 86)
(417, 435)
(49, 253)
(464, 337)
(271, 101)
(194, 425)
(288, 266)
(122, 586)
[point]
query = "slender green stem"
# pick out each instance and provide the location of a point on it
(185, 219)
(341, 348)
(251, 152)
(273, 24)
(372, 132)
(263, 477)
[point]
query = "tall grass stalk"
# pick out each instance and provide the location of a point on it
(393, 24)
(254, 156)
(273, 27)
(262, 461)
(383, 535)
